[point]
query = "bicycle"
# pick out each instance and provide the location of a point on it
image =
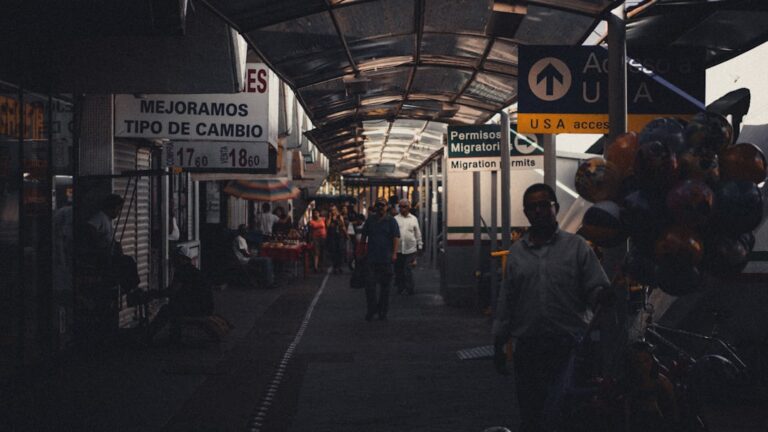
(696, 378)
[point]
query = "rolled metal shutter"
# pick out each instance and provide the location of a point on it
(134, 227)
(143, 220)
(237, 212)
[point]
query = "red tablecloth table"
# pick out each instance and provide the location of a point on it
(292, 253)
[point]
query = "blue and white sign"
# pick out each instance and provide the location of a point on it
(564, 89)
(478, 148)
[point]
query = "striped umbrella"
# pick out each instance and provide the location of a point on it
(262, 189)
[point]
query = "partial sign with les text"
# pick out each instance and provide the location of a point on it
(248, 116)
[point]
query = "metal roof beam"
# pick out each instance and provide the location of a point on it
(418, 19)
(488, 45)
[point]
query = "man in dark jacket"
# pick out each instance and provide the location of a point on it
(382, 235)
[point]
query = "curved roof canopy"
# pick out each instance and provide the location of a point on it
(367, 70)
(723, 28)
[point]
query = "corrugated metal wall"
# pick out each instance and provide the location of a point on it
(135, 228)
(237, 212)
(96, 136)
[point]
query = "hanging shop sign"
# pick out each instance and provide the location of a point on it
(62, 128)
(248, 116)
(34, 118)
(209, 156)
(478, 148)
(564, 89)
(212, 202)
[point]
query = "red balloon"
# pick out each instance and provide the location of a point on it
(743, 161)
(709, 132)
(738, 207)
(666, 130)
(602, 226)
(694, 165)
(597, 180)
(655, 166)
(679, 246)
(622, 152)
(726, 255)
(690, 203)
(643, 217)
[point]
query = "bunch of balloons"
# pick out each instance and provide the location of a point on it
(685, 195)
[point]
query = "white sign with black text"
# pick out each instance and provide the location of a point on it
(248, 116)
(216, 155)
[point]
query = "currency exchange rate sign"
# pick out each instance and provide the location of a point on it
(564, 89)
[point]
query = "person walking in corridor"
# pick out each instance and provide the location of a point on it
(317, 236)
(410, 244)
(283, 224)
(265, 220)
(382, 235)
(336, 238)
(553, 277)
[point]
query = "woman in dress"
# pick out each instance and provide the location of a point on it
(337, 236)
(317, 235)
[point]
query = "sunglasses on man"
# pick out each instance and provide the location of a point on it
(539, 205)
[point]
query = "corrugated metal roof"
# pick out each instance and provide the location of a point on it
(358, 64)
(724, 28)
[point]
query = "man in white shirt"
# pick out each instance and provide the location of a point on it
(102, 239)
(258, 267)
(410, 244)
(240, 246)
(266, 219)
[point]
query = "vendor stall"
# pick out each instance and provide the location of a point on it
(290, 252)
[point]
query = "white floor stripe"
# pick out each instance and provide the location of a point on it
(260, 413)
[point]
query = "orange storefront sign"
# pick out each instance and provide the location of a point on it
(10, 121)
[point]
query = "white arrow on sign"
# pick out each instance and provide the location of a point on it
(549, 79)
(525, 144)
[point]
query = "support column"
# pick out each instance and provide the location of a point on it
(476, 223)
(614, 327)
(427, 211)
(494, 221)
(506, 236)
(444, 224)
(550, 161)
(433, 214)
(423, 194)
(444, 196)
(617, 73)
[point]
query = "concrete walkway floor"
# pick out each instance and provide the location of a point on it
(341, 374)
(302, 358)
(397, 375)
